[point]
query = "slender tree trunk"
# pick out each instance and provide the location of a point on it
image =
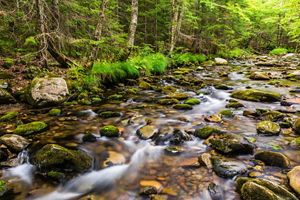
(42, 29)
(133, 23)
(175, 14)
(99, 28)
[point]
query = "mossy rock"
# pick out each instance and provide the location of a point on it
(192, 101)
(226, 113)
(206, 131)
(9, 116)
(145, 85)
(271, 158)
(259, 76)
(228, 168)
(132, 91)
(109, 131)
(168, 89)
(109, 114)
(296, 126)
(231, 144)
(168, 101)
(31, 128)
(115, 97)
(54, 112)
(56, 175)
(272, 116)
(268, 128)
(296, 142)
(183, 107)
(53, 156)
(178, 96)
(256, 95)
(222, 87)
(262, 189)
(6, 97)
(234, 104)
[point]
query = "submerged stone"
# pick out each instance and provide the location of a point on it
(228, 168)
(256, 95)
(31, 128)
(114, 158)
(268, 128)
(294, 177)
(109, 131)
(53, 156)
(273, 158)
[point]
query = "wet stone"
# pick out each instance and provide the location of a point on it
(294, 177)
(109, 131)
(228, 168)
(273, 158)
(147, 132)
(14, 142)
(268, 128)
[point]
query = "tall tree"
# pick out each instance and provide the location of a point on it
(133, 23)
(174, 24)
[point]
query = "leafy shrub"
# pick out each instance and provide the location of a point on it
(187, 59)
(278, 51)
(234, 53)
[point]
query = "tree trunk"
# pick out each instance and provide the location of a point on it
(99, 28)
(174, 26)
(42, 29)
(133, 23)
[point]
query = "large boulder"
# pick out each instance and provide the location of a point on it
(56, 157)
(256, 95)
(273, 158)
(5, 97)
(47, 91)
(268, 128)
(14, 142)
(231, 144)
(294, 177)
(261, 189)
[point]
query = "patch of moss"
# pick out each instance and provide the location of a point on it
(3, 187)
(54, 112)
(30, 128)
(109, 131)
(9, 116)
(145, 85)
(256, 95)
(109, 114)
(235, 104)
(206, 131)
(192, 101)
(183, 107)
(115, 97)
(226, 113)
(168, 101)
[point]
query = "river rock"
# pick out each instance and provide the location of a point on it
(147, 132)
(256, 95)
(168, 101)
(53, 156)
(206, 131)
(272, 115)
(114, 158)
(268, 128)
(273, 158)
(9, 116)
(261, 189)
(228, 168)
(31, 128)
(14, 142)
(294, 179)
(183, 107)
(231, 144)
(47, 91)
(296, 126)
(6, 97)
(221, 61)
(259, 76)
(109, 131)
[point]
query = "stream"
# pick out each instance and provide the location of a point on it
(129, 166)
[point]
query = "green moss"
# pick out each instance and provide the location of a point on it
(109, 114)
(192, 101)
(9, 116)
(206, 131)
(256, 95)
(8, 62)
(30, 128)
(168, 101)
(268, 128)
(178, 96)
(168, 89)
(53, 156)
(115, 97)
(3, 187)
(226, 113)
(109, 131)
(183, 107)
(145, 85)
(279, 51)
(132, 91)
(56, 175)
(54, 112)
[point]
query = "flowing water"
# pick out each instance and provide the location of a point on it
(179, 174)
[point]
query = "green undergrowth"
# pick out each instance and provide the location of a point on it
(234, 53)
(278, 51)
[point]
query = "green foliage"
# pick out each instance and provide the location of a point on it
(178, 59)
(30, 41)
(279, 51)
(234, 53)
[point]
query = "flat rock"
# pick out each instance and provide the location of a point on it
(14, 142)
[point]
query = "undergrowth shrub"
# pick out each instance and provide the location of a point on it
(278, 51)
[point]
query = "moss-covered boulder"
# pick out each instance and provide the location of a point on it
(168, 101)
(226, 113)
(234, 104)
(273, 158)
(192, 101)
(109, 131)
(56, 157)
(231, 144)
(168, 89)
(256, 95)
(31, 128)
(54, 112)
(9, 116)
(47, 91)
(296, 126)
(259, 76)
(109, 114)
(294, 179)
(147, 132)
(206, 131)
(14, 142)
(183, 107)
(228, 168)
(268, 128)
(272, 115)
(145, 85)
(6, 97)
(262, 189)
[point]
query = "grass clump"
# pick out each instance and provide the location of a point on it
(278, 51)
